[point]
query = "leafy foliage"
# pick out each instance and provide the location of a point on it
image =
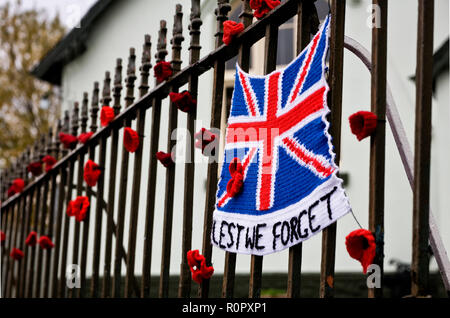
(28, 106)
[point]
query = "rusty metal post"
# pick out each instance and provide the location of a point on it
(170, 172)
(153, 164)
(422, 150)
(335, 102)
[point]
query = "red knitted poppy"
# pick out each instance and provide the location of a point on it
(130, 139)
(16, 254)
(361, 246)
(16, 186)
(363, 124)
(262, 7)
(68, 141)
(106, 115)
(203, 138)
(2, 237)
(49, 162)
(78, 208)
(45, 242)
(183, 101)
(31, 239)
(235, 184)
(92, 172)
(84, 137)
(35, 168)
(162, 71)
(197, 265)
(165, 159)
(230, 30)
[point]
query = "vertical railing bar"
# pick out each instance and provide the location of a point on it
(79, 187)
(42, 224)
(5, 246)
(129, 98)
(25, 231)
(422, 150)
(14, 234)
(117, 88)
(378, 140)
(306, 14)
(136, 188)
(58, 224)
(335, 104)
(151, 186)
(270, 57)
(246, 18)
(106, 99)
(170, 172)
(85, 234)
(66, 230)
(20, 243)
(10, 272)
(54, 150)
(135, 194)
(184, 285)
(9, 232)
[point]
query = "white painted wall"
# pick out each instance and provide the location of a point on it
(125, 24)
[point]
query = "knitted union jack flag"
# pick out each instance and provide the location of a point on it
(278, 184)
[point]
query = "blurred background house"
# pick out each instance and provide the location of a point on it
(109, 28)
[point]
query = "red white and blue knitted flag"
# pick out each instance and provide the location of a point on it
(285, 185)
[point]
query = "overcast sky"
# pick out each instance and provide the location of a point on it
(70, 11)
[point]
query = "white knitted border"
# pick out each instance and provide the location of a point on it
(338, 203)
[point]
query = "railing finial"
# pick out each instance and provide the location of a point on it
(94, 107)
(56, 143)
(194, 31)
(162, 42)
(145, 65)
(223, 7)
(106, 92)
(117, 86)
(131, 77)
(75, 115)
(177, 38)
(84, 112)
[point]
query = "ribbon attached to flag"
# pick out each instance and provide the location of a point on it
(278, 134)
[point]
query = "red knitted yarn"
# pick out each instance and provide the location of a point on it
(130, 139)
(16, 254)
(78, 208)
(230, 30)
(197, 264)
(92, 172)
(183, 101)
(49, 162)
(203, 138)
(235, 184)
(361, 246)
(262, 7)
(162, 71)
(35, 168)
(165, 159)
(16, 186)
(363, 124)
(68, 140)
(31, 239)
(45, 242)
(106, 115)
(84, 137)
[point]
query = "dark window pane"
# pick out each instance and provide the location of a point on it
(285, 51)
